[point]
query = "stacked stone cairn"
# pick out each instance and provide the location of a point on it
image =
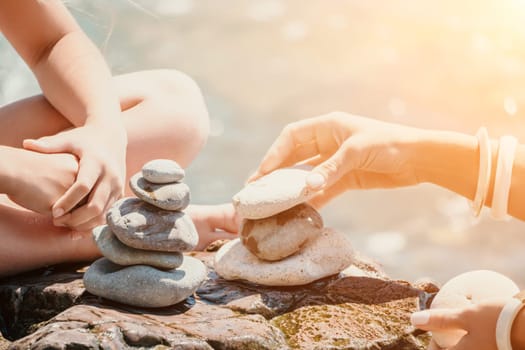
(144, 240)
(283, 241)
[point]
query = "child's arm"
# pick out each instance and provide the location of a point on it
(76, 81)
(69, 68)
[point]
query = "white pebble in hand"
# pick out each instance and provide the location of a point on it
(466, 289)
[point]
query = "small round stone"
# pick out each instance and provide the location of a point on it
(143, 226)
(327, 254)
(172, 196)
(144, 286)
(162, 171)
(283, 234)
(121, 254)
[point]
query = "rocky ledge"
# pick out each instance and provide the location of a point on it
(361, 309)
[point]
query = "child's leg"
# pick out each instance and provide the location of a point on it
(163, 110)
(30, 240)
(165, 117)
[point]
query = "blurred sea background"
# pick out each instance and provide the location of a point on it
(262, 64)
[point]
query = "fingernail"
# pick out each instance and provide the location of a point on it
(315, 181)
(58, 212)
(420, 318)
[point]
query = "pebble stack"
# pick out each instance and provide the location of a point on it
(283, 241)
(144, 241)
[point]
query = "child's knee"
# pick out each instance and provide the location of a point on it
(184, 109)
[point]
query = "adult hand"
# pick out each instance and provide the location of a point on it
(347, 151)
(41, 179)
(478, 320)
(213, 222)
(100, 180)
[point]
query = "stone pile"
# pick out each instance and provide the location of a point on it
(144, 240)
(283, 241)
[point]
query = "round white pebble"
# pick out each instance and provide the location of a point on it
(162, 171)
(467, 289)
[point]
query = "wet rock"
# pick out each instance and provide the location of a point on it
(37, 296)
(273, 193)
(143, 226)
(172, 196)
(283, 234)
(142, 285)
(89, 327)
(233, 261)
(352, 312)
(162, 171)
(120, 254)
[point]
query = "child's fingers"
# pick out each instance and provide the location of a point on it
(433, 346)
(464, 344)
(335, 167)
(86, 178)
(48, 144)
(282, 151)
(439, 319)
(95, 207)
(301, 154)
(205, 240)
(327, 195)
(221, 216)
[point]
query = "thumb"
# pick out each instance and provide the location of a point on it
(48, 144)
(439, 319)
(331, 170)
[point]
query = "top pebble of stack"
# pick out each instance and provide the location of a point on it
(162, 171)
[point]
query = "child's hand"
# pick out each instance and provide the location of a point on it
(100, 180)
(41, 179)
(478, 320)
(348, 152)
(213, 222)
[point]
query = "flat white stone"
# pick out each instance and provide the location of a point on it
(144, 286)
(326, 255)
(162, 171)
(465, 290)
(273, 193)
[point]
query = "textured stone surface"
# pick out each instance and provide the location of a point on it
(273, 193)
(283, 234)
(142, 285)
(143, 226)
(353, 312)
(120, 254)
(172, 196)
(161, 171)
(327, 254)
